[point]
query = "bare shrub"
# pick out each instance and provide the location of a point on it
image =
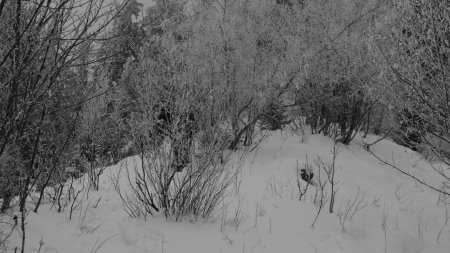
(347, 210)
(445, 223)
(199, 188)
(62, 193)
(297, 127)
(195, 191)
(8, 224)
(320, 196)
(330, 170)
(8, 180)
(75, 198)
(312, 176)
(278, 188)
(384, 227)
(302, 190)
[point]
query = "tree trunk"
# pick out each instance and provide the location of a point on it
(366, 131)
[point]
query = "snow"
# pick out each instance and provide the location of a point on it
(262, 212)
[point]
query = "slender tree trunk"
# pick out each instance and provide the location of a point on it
(366, 131)
(378, 127)
(249, 133)
(25, 190)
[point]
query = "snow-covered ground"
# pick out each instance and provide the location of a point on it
(262, 212)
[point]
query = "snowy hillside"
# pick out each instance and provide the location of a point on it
(376, 209)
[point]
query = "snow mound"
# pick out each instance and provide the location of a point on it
(262, 211)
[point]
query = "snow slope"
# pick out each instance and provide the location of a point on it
(262, 212)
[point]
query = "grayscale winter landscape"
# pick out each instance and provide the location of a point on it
(215, 126)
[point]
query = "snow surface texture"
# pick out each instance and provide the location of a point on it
(262, 212)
